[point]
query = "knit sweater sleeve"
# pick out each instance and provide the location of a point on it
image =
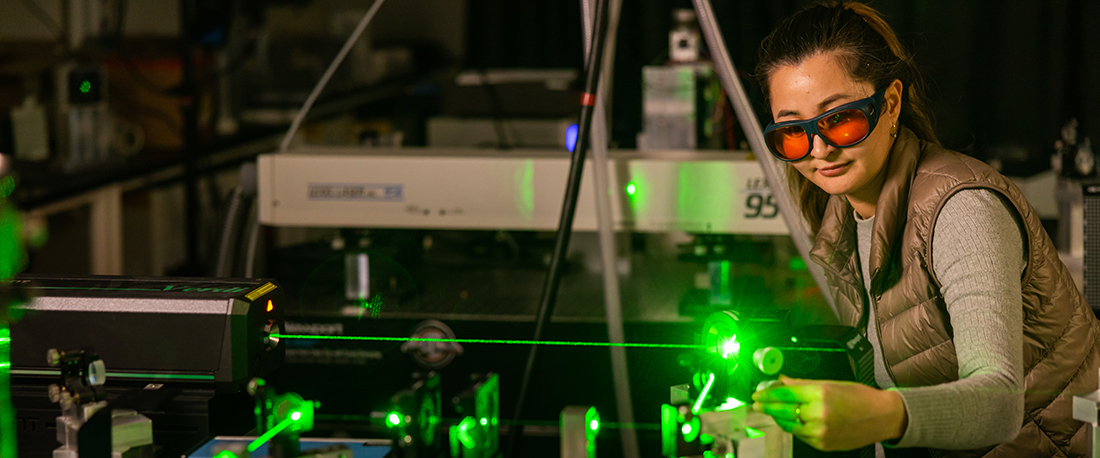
(977, 255)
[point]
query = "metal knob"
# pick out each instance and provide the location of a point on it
(55, 393)
(768, 359)
(53, 357)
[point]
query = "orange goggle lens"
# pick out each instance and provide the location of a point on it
(844, 128)
(840, 129)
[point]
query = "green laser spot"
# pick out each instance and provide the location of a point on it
(797, 264)
(631, 188)
(296, 416)
(225, 454)
(594, 425)
(686, 429)
(753, 433)
(730, 404)
(373, 306)
(484, 422)
(731, 347)
(464, 436)
(86, 87)
(393, 419)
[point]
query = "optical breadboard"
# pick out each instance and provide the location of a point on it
(440, 188)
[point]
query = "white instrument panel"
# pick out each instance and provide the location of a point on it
(456, 188)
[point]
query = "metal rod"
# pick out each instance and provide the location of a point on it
(773, 169)
(569, 208)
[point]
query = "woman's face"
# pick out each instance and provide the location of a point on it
(818, 84)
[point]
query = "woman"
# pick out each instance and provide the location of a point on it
(980, 336)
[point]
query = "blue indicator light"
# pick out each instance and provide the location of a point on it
(571, 136)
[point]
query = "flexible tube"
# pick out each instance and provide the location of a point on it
(773, 168)
(569, 208)
(301, 116)
(612, 299)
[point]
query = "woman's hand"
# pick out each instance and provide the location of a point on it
(832, 415)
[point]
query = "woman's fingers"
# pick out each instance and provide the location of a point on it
(781, 411)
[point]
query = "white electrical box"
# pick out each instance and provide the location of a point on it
(455, 188)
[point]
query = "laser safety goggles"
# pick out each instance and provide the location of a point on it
(841, 127)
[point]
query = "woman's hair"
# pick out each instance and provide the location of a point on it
(867, 48)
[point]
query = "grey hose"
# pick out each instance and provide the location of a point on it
(612, 300)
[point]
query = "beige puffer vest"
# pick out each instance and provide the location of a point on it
(1061, 347)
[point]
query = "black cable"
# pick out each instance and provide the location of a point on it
(569, 207)
(498, 111)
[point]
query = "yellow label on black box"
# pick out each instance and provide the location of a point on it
(258, 292)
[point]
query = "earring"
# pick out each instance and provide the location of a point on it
(894, 130)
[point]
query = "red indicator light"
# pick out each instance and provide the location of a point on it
(269, 305)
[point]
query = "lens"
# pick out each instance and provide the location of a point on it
(789, 142)
(844, 128)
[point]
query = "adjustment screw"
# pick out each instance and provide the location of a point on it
(55, 393)
(53, 357)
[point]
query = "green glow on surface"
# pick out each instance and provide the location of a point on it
(703, 395)
(640, 200)
(525, 184)
(631, 188)
(730, 404)
(753, 433)
(701, 207)
(225, 454)
(7, 186)
(708, 454)
(731, 347)
(797, 264)
(94, 289)
(464, 428)
(484, 422)
(669, 419)
(393, 419)
(720, 292)
(86, 86)
(296, 416)
(592, 421)
(489, 341)
(7, 415)
(372, 306)
(691, 430)
(268, 435)
(13, 256)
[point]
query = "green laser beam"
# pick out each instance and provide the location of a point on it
(503, 422)
(120, 375)
(703, 395)
(489, 341)
(268, 435)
